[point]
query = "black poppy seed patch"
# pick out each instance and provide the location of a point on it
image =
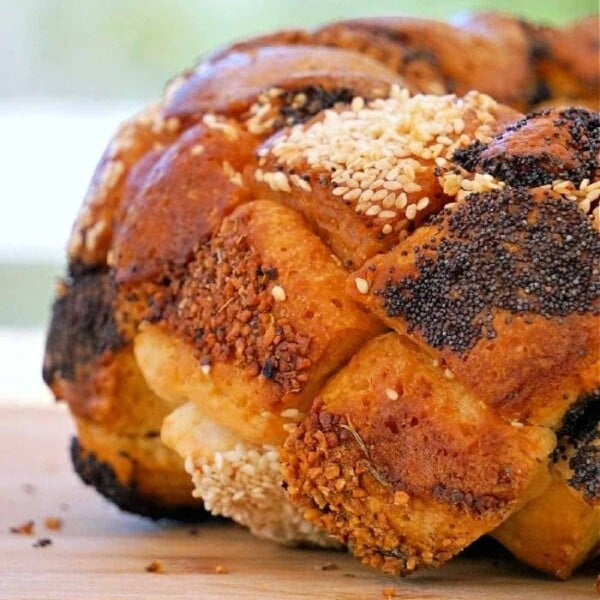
(498, 250)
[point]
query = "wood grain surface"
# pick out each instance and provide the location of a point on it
(101, 553)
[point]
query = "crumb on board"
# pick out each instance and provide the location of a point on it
(221, 570)
(154, 567)
(42, 543)
(193, 531)
(23, 529)
(389, 592)
(328, 566)
(53, 523)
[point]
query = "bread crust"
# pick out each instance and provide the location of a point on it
(389, 462)
(260, 309)
(210, 258)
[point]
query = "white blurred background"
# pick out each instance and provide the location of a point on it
(71, 70)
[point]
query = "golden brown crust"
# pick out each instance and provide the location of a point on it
(231, 83)
(564, 528)
(387, 461)
(261, 307)
(528, 356)
(92, 233)
(568, 61)
(138, 473)
(463, 61)
(182, 200)
(249, 315)
(564, 522)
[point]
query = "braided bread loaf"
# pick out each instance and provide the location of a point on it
(327, 240)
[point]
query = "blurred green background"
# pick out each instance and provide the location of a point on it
(127, 48)
(103, 53)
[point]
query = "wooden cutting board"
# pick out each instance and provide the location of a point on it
(101, 553)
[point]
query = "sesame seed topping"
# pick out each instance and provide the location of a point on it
(278, 293)
(244, 483)
(411, 212)
(423, 203)
(221, 124)
(391, 394)
(375, 150)
(362, 285)
(291, 413)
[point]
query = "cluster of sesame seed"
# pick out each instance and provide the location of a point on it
(459, 184)
(222, 124)
(263, 113)
(245, 484)
(226, 307)
(586, 195)
(91, 223)
(378, 154)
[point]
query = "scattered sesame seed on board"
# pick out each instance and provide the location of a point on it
(53, 523)
(328, 566)
(154, 567)
(23, 529)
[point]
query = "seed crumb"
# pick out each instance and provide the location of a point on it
(154, 567)
(53, 523)
(221, 570)
(23, 529)
(328, 566)
(42, 543)
(389, 592)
